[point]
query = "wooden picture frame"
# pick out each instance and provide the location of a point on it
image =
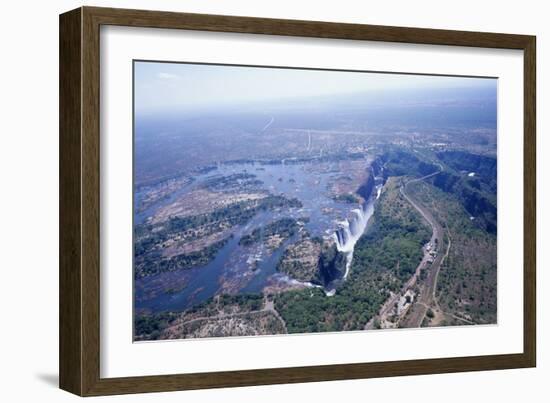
(79, 278)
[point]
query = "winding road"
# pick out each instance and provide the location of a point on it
(269, 124)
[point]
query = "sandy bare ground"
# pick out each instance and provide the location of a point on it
(268, 306)
(202, 201)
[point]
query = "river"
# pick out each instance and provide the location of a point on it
(328, 218)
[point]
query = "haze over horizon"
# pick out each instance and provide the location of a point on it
(177, 87)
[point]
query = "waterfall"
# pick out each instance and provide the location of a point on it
(351, 229)
(349, 232)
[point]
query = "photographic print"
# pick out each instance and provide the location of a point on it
(272, 200)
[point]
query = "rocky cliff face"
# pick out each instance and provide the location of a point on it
(476, 193)
(375, 172)
(376, 166)
(485, 167)
(332, 264)
(470, 177)
(365, 190)
(401, 163)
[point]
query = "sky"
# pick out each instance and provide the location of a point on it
(177, 87)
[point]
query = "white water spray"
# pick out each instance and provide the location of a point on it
(352, 229)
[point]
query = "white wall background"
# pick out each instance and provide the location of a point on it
(29, 199)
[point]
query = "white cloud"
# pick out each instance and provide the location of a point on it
(168, 76)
